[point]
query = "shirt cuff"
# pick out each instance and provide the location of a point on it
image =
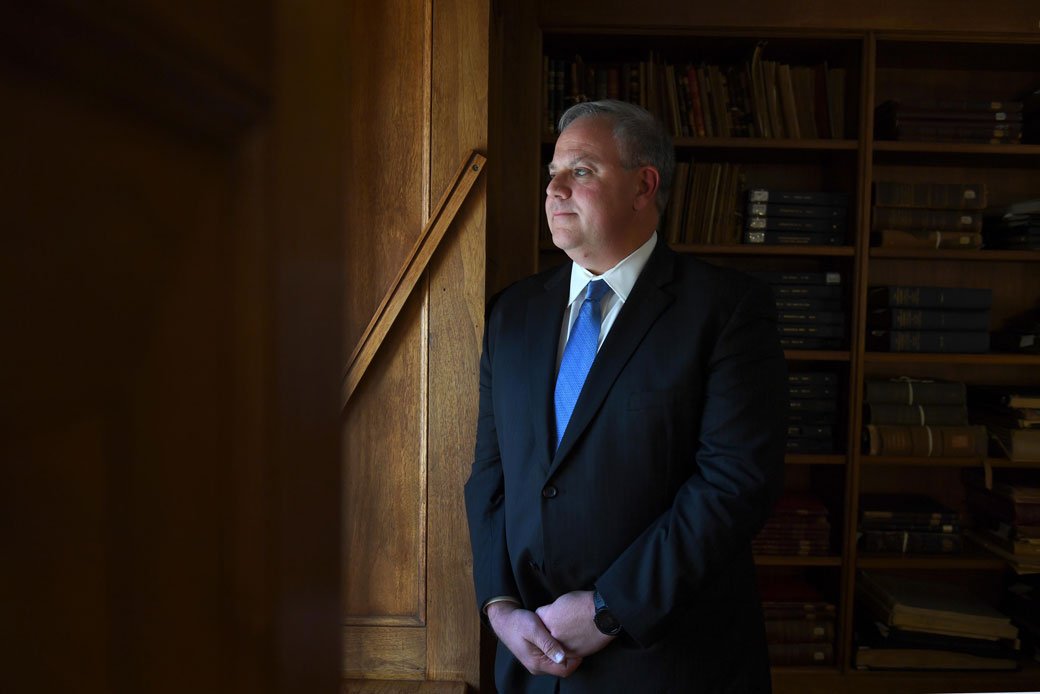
(498, 598)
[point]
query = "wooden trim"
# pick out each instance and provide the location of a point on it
(387, 652)
(402, 687)
(415, 264)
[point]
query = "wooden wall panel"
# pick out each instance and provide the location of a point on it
(395, 653)
(384, 479)
(387, 186)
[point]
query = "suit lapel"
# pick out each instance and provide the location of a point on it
(542, 330)
(645, 304)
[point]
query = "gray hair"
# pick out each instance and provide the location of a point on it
(641, 138)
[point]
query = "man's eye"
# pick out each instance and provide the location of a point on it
(580, 172)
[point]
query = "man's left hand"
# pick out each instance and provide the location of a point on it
(569, 620)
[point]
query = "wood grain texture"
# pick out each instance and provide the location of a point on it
(459, 123)
(387, 122)
(384, 478)
(399, 687)
(384, 653)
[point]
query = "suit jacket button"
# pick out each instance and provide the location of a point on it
(549, 492)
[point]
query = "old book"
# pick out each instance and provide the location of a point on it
(910, 542)
(810, 330)
(798, 197)
(935, 196)
(793, 238)
(927, 319)
(909, 296)
(915, 392)
(810, 342)
(910, 218)
(781, 277)
(812, 378)
(931, 606)
(814, 391)
(1020, 563)
(799, 631)
(814, 224)
(916, 509)
(935, 341)
(778, 209)
(811, 317)
(810, 431)
(895, 413)
(881, 647)
(810, 445)
(1008, 396)
(916, 238)
(792, 654)
(925, 441)
(1020, 445)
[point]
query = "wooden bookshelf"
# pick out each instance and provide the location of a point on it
(879, 64)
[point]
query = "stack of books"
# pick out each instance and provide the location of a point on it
(1006, 515)
(795, 218)
(1011, 415)
(928, 319)
(908, 524)
(980, 121)
(920, 418)
(909, 624)
(928, 215)
(799, 526)
(809, 308)
(813, 412)
(1016, 228)
(799, 623)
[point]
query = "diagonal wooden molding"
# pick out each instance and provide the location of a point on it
(415, 264)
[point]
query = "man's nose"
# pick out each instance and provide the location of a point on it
(556, 187)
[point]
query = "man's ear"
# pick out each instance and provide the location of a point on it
(649, 182)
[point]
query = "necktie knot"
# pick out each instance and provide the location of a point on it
(597, 290)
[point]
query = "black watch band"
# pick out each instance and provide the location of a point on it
(604, 619)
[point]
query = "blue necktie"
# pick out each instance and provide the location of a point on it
(578, 355)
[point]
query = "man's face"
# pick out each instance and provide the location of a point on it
(590, 197)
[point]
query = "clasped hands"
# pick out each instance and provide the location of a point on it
(554, 638)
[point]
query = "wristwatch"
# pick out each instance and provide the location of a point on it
(605, 620)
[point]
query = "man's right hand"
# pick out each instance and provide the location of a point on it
(526, 637)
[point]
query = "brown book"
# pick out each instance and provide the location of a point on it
(906, 218)
(787, 101)
(1020, 445)
(931, 606)
(801, 653)
(799, 631)
(910, 542)
(935, 196)
(916, 238)
(926, 441)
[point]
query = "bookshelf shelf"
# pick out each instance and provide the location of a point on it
(809, 459)
(779, 560)
(942, 462)
(990, 359)
(945, 148)
(765, 143)
(752, 249)
(982, 256)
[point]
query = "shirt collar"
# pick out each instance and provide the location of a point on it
(620, 278)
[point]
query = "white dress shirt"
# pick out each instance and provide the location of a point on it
(620, 278)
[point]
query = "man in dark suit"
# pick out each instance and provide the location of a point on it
(611, 516)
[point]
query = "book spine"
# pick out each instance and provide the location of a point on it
(904, 218)
(810, 330)
(812, 378)
(926, 441)
(950, 298)
(913, 238)
(910, 542)
(928, 319)
(916, 392)
(945, 196)
(790, 197)
(810, 342)
(826, 317)
(795, 654)
(794, 224)
(929, 341)
(799, 631)
(765, 209)
(793, 238)
(809, 305)
(818, 391)
(920, 415)
(810, 431)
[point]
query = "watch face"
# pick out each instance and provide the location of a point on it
(606, 622)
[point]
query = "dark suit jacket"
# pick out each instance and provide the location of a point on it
(671, 462)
